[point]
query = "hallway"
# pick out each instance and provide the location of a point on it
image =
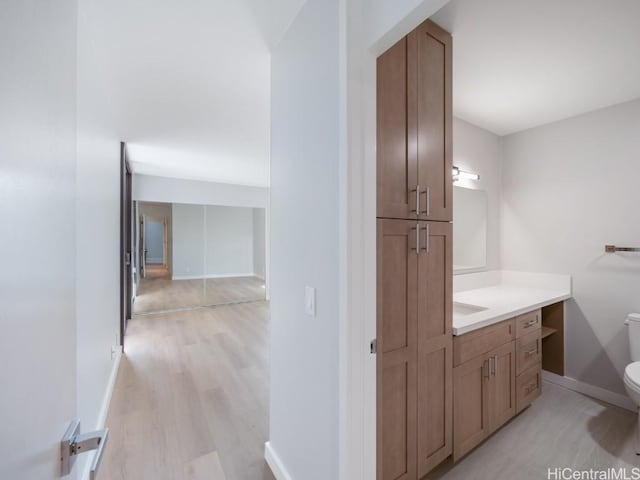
(191, 399)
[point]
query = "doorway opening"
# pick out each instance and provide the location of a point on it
(191, 256)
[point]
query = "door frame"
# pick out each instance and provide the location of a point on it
(126, 206)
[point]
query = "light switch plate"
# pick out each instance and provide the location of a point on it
(310, 301)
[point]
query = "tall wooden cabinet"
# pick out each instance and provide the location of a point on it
(414, 263)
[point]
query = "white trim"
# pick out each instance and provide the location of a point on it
(106, 402)
(212, 275)
(598, 393)
(259, 277)
(274, 462)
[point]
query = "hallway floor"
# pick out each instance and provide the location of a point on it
(158, 293)
(191, 399)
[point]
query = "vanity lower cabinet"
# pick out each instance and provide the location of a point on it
(414, 347)
(496, 374)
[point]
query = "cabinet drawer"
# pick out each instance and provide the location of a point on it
(528, 387)
(479, 342)
(528, 351)
(528, 322)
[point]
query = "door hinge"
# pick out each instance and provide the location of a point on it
(373, 346)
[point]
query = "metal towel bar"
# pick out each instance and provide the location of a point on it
(613, 249)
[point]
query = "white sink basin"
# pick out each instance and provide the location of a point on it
(466, 308)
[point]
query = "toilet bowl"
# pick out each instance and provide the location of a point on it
(632, 371)
(632, 381)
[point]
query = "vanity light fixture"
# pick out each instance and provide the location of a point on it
(458, 174)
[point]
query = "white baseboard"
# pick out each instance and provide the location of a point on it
(275, 463)
(104, 409)
(201, 277)
(598, 393)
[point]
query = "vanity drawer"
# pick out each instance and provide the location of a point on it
(528, 387)
(528, 351)
(479, 342)
(528, 322)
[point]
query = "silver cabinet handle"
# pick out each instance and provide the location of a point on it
(426, 240)
(417, 190)
(493, 366)
(428, 192)
(533, 351)
(417, 229)
(485, 369)
(531, 323)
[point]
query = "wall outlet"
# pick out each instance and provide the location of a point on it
(117, 348)
(310, 301)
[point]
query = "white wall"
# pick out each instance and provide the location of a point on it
(97, 228)
(388, 22)
(305, 128)
(229, 241)
(37, 208)
(149, 188)
(570, 188)
(480, 151)
(188, 241)
(259, 243)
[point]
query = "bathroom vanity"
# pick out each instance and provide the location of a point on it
(502, 322)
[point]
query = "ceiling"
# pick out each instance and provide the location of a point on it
(188, 83)
(518, 64)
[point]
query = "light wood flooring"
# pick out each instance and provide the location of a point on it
(158, 293)
(561, 429)
(191, 399)
(191, 403)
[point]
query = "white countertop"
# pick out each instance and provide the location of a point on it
(504, 301)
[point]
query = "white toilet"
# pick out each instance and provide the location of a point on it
(632, 371)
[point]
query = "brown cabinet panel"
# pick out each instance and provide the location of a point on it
(478, 342)
(528, 322)
(435, 280)
(435, 407)
(528, 351)
(470, 407)
(528, 387)
(433, 119)
(502, 388)
(397, 350)
(435, 388)
(397, 167)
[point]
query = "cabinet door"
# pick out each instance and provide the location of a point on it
(435, 403)
(397, 167)
(470, 407)
(430, 120)
(502, 389)
(397, 350)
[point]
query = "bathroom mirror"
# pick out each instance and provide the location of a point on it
(469, 229)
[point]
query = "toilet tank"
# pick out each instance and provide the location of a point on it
(633, 322)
